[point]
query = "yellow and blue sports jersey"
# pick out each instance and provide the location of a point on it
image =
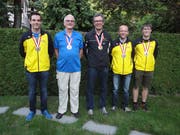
(121, 53)
(145, 53)
(36, 60)
(68, 59)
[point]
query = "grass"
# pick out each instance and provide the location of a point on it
(162, 119)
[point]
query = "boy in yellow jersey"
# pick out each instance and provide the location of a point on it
(146, 50)
(36, 47)
(122, 65)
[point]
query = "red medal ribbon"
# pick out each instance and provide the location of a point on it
(146, 47)
(123, 48)
(37, 41)
(69, 41)
(99, 41)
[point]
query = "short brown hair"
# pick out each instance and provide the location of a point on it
(146, 25)
(35, 13)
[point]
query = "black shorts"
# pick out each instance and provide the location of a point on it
(143, 78)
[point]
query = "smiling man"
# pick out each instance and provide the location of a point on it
(36, 47)
(146, 50)
(122, 66)
(97, 43)
(68, 46)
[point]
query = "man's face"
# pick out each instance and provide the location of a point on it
(98, 22)
(69, 22)
(123, 31)
(146, 31)
(35, 22)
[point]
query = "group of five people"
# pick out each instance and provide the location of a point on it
(125, 56)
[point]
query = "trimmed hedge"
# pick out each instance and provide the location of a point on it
(12, 74)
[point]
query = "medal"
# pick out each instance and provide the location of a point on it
(38, 49)
(37, 42)
(100, 47)
(69, 42)
(146, 48)
(123, 49)
(69, 47)
(123, 55)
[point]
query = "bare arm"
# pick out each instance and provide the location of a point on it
(56, 53)
(81, 53)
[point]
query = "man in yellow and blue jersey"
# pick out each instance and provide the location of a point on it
(146, 50)
(122, 66)
(36, 47)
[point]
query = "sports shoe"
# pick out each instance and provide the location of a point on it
(47, 114)
(144, 106)
(30, 116)
(76, 115)
(90, 112)
(127, 109)
(135, 106)
(103, 110)
(59, 115)
(113, 108)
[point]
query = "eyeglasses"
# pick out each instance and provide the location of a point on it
(69, 20)
(98, 21)
(38, 20)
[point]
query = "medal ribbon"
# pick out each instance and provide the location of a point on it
(69, 42)
(37, 41)
(123, 48)
(99, 41)
(146, 47)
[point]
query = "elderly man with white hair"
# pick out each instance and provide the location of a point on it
(68, 46)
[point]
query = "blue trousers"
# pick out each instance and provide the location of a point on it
(102, 74)
(126, 79)
(34, 78)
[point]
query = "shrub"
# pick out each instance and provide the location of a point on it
(12, 73)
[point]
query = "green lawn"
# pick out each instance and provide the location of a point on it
(162, 119)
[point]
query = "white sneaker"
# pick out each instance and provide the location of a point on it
(127, 109)
(90, 112)
(113, 108)
(103, 110)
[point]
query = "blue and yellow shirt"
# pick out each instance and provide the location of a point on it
(121, 54)
(36, 60)
(145, 53)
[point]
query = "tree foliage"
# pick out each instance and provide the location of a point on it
(54, 12)
(163, 14)
(3, 14)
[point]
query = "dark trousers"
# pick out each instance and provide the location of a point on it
(102, 74)
(34, 78)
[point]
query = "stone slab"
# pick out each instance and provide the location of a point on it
(134, 132)
(3, 109)
(24, 111)
(100, 128)
(65, 119)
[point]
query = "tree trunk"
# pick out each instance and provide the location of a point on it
(17, 13)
